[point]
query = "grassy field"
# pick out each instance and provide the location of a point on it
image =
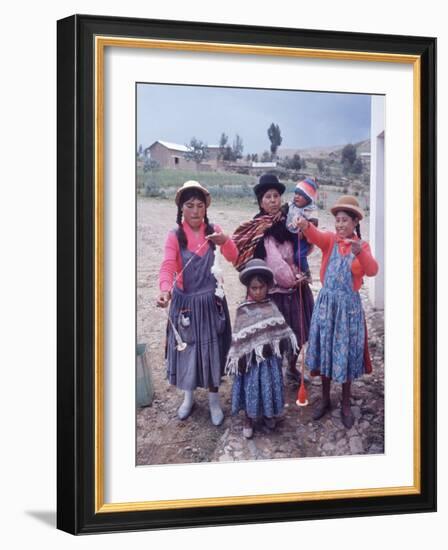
(173, 178)
(231, 188)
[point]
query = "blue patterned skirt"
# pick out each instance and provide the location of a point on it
(259, 391)
(337, 336)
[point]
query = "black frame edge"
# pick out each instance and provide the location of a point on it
(66, 270)
(76, 483)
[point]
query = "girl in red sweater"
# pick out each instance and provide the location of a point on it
(337, 345)
(197, 310)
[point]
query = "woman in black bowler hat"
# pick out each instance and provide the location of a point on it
(266, 237)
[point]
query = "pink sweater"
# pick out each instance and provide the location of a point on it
(363, 264)
(172, 261)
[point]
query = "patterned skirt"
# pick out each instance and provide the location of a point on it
(259, 391)
(337, 336)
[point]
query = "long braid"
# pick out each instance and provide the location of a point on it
(358, 230)
(181, 237)
(209, 229)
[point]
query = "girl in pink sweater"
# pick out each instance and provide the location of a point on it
(197, 310)
(337, 345)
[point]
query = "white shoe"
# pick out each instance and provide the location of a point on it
(216, 413)
(185, 409)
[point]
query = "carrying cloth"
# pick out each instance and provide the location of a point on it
(259, 328)
(248, 235)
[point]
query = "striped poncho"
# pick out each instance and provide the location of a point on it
(259, 330)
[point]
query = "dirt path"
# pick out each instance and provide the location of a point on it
(163, 439)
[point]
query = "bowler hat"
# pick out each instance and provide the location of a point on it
(256, 267)
(266, 182)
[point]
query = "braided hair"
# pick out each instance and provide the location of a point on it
(186, 196)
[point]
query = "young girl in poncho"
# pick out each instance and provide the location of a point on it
(260, 338)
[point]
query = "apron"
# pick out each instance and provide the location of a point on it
(203, 322)
(337, 333)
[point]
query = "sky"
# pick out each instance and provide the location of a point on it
(176, 113)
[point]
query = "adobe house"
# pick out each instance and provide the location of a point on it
(172, 155)
(169, 155)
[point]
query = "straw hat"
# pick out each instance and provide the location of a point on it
(191, 184)
(348, 203)
(256, 267)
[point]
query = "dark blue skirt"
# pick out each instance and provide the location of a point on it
(259, 391)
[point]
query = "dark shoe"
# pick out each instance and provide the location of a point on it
(269, 422)
(347, 419)
(321, 409)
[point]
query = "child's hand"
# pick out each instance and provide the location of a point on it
(356, 245)
(302, 223)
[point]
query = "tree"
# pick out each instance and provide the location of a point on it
(140, 151)
(275, 138)
(320, 166)
(237, 148)
(197, 151)
(223, 140)
(348, 155)
(295, 162)
(357, 167)
(265, 157)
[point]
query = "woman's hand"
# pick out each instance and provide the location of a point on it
(302, 223)
(277, 217)
(300, 279)
(217, 238)
(356, 245)
(163, 299)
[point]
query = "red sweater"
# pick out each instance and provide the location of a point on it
(172, 261)
(363, 264)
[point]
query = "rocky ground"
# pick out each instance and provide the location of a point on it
(163, 439)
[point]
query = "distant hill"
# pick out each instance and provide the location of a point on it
(323, 152)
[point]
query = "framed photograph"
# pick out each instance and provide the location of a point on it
(200, 165)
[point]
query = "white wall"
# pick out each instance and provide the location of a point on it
(376, 233)
(27, 223)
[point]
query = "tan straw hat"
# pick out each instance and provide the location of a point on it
(350, 203)
(191, 184)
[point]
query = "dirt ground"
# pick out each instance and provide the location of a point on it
(163, 439)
